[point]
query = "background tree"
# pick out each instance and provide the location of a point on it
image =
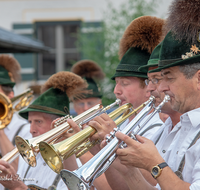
(100, 41)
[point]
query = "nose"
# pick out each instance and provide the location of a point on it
(86, 106)
(33, 130)
(151, 87)
(163, 86)
(117, 89)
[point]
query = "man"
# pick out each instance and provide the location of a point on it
(130, 83)
(180, 68)
(51, 104)
(92, 73)
(9, 76)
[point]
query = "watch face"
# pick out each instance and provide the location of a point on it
(155, 170)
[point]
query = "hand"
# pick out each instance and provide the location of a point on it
(103, 124)
(9, 177)
(141, 154)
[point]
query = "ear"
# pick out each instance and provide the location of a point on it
(11, 94)
(198, 79)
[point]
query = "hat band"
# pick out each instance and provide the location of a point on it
(162, 63)
(126, 67)
(44, 108)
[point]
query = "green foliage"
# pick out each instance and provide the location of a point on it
(100, 41)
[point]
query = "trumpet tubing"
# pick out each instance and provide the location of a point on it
(30, 148)
(11, 156)
(83, 177)
(54, 155)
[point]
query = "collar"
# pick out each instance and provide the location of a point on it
(192, 117)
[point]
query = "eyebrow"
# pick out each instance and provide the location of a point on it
(165, 73)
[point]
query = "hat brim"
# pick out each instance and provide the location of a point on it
(188, 61)
(129, 74)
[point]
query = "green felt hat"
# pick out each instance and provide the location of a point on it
(153, 60)
(181, 44)
(92, 73)
(58, 90)
(174, 52)
(9, 70)
(93, 86)
(136, 45)
(130, 63)
(53, 101)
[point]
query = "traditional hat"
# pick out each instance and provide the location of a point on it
(137, 44)
(9, 70)
(57, 92)
(153, 60)
(181, 44)
(92, 73)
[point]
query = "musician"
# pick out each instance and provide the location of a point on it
(53, 103)
(93, 74)
(130, 83)
(9, 76)
(178, 167)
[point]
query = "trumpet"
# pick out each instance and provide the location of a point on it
(54, 155)
(7, 109)
(30, 148)
(11, 156)
(83, 177)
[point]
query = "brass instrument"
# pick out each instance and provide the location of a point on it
(54, 155)
(11, 156)
(30, 148)
(7, 109)
(83, 177)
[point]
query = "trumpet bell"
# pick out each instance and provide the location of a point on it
(26, 150)
(74, 181)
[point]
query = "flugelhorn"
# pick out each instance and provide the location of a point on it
(30, 148)
(54, 155)
(83, 177)
(7, 108)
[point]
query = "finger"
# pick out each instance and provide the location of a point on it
(125, 138)
(98, 119)
(74, 126)
(105, 117)
(141, 139)
(103, 144)
(95, 125)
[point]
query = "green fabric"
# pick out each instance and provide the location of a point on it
(92, 85)
(130, 62)
(153, 60)
(171, 53)
(4, 77)
(53, 101)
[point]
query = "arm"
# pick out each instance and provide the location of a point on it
(143, 154)
(6, 146)
(11, 181)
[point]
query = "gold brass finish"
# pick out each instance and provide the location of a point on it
(55, 154)
(11, 156)
(7, 109)
(30, 148)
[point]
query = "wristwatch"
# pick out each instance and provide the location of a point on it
(156, 170)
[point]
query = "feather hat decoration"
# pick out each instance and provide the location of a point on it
(89, 69)
(12, 67)
(184, 20)
(144, 32)
(68, 82)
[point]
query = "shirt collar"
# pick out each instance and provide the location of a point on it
(192, 117)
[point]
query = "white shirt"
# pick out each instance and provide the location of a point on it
(13, 127)
(41, 175)
(154, 120)
(181, 137)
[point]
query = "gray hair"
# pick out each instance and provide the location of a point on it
(189, 70)
(7, 89)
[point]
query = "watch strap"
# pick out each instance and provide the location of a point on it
(162, 165)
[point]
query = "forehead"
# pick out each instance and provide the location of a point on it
(37, 115)
(154, 75)
(171, 71)
(118, 79)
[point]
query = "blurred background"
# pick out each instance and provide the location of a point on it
(48, 36)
